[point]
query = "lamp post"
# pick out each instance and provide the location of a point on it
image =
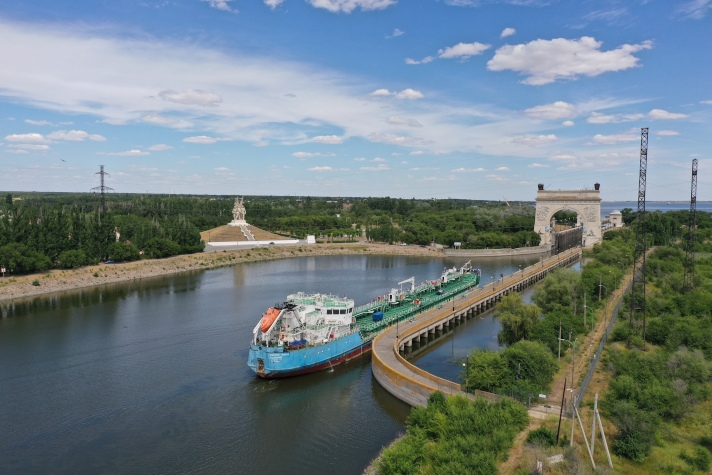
(600, 277)
(466, 364)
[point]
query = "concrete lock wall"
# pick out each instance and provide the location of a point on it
(414, 385)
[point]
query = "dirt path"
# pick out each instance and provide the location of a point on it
(584, 353)
(22, 287)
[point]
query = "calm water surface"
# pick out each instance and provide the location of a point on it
(151, 376)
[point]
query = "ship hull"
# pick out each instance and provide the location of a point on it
(269, 362)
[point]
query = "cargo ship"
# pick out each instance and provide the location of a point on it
(311, 332)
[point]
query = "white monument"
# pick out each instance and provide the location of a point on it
(238, 213)
(586, 203)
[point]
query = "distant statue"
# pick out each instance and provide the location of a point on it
(238, 213)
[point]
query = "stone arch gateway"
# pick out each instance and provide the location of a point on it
(586, 203)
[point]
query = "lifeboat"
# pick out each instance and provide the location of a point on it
(268, 319)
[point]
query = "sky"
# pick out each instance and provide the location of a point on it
(474, 99)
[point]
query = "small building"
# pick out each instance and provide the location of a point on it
(311, 239)
(616, 219)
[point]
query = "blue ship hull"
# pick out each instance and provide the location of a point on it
(277, 362)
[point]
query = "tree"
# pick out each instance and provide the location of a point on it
(72, 259)
(517, 318)
(561, 288)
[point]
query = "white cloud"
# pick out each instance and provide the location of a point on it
(260, 143)
(159, 147)
(403, 121)
(158, 119)
(410, 94)
(503, 169)
(203, 139)
(27, 138)
(30, 146)
(659, 114)
(378, 159)
(328, 139)
(706, 102)
(537, 165)
(420, 169)
(347, 6)
(463, 50)
(696, 9)
(192, 97)
(221, 5)
(495, 177)
(360, 159)
(396, 33)
(38, 122)
(382, 93)
(379, 168)
(129, 153)
(563, 157)
(629, 136)
(655, 114)
(273, 3)
(320, 169)
(417, 152)
(507, 32)
(222, 169)
(468, 170)
(312, 154)
(545, 61)
(668, 133)
(397, 139)
(534, 140)
(557, 110)
(425, 60)
(18, 151)
(599, 118)
(568, 123)
(75, 136)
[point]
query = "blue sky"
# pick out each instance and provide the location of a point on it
(449, 98)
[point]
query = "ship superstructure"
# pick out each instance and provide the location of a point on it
(309, 332)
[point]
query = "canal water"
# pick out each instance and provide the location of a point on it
(151, 376)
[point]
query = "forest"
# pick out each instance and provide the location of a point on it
(39, 231)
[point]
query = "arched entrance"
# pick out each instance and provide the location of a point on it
(586, 203)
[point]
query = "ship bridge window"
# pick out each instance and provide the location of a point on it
(351, 310)
(342, 311)
(329, 312)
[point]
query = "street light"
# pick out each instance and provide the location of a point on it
(600, 284)
(466, 364)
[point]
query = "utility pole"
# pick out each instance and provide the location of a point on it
(102, 189)
(638, 286)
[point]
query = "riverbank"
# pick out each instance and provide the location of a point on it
(57, 280)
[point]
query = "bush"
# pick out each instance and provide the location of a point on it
(121, 252)
(20, 259)
(161, 247)
(542, 436)
(700, 460)
(72, 259)
(36, 283)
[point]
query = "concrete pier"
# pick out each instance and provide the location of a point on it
(411, 384)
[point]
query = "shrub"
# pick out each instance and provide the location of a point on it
(121, 252)
(542, 436)
(700, 460)
(161, 247)
(72, 259)
(36, 283)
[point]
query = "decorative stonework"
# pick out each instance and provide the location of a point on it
(587, 203)
(238, 213)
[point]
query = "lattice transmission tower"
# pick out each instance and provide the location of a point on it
(103, 189)
(637, 294)
(689, 282)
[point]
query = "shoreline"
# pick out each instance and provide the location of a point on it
(19, 288)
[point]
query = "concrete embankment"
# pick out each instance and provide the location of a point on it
(520, 251)
(411, 384)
